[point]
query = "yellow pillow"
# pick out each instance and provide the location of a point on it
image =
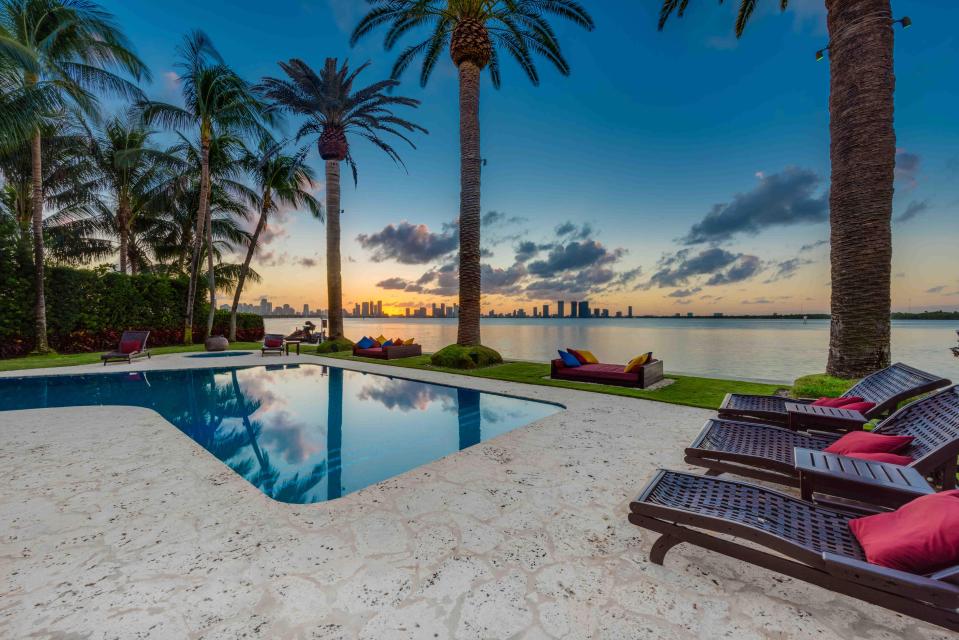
(587, 356)
(408, 342)
(637, 362)
(381, 339)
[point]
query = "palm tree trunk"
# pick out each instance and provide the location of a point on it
(334, 281)
(468, 331)
(123, 217)
(198, 237)
(863, 155)
(211, 277)
(40, 305)
(260, 225)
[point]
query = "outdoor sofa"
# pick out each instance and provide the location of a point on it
(133, 345)
(613, 374)
(390, 352)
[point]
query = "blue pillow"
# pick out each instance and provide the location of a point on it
(569, 359)
(365, 343)
(388, 343)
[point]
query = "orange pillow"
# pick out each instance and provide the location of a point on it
(397, 341)
(381, 339)
(636, 363)
(408, 342)
(587, 356)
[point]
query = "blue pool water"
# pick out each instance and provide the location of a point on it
(299, 433)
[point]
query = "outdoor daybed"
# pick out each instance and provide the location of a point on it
(810, 542)
(389, 352)
(614, 374)
(885, 389)
(768, 452)
(133, 345)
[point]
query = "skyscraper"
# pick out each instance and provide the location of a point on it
(366, 309)
(629, 314)
(306, 310)
(560, 308)
(545, 310)
(573, 309)
(379, 308)
(584, 309)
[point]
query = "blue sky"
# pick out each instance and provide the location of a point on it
(646, 137)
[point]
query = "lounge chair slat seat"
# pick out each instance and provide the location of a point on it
(813, 542)
(140, 337)
(886, 389)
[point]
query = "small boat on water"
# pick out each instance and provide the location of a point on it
(308, 333)
(955, 350)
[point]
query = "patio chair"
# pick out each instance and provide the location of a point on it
(811, 542)
(133, 345)
(766, 452)
(272, 343)
(885, 388)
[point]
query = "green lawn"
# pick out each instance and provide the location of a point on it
(706, 393)
(73, 359)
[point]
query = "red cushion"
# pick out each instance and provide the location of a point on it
(866, 442)
(129, 346)
(576, 354)
(836, 402)
(919, 537)
(891, 458)
(861, 407)
(273, 343)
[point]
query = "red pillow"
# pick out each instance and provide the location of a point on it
(273, 343)
(891, 458)
(866, 442)
(576, 354)
(861, 407)
(129, 346)
(835, 403)
(920, 537)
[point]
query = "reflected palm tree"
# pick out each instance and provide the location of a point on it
(468, 413)
(334, 435)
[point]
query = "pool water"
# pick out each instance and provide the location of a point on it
(220, 354)
(299, 433)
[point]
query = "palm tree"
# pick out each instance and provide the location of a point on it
(66, 49)
(333, 109)
(474, 30)
(863, 157)
(217, 101)
(281, 180)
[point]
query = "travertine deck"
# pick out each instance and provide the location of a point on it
(116, 525)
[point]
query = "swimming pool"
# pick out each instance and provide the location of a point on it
(299, 433)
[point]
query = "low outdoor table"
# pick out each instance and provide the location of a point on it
(874, 483)
(296, 342)
(811, 416)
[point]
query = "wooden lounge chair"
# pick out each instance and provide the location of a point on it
(389, 353)
(813, 543)
(133, 345)
(614, 374)
(766, 452)
(272, 343)
(886, 388)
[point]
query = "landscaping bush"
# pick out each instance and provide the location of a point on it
(337, 344)
(459, 357)
(819, 385)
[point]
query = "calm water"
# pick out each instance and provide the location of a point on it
(775, 350)
(300, 434)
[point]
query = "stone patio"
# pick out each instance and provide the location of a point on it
(113, 524)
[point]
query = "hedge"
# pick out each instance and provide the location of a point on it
(87, 310)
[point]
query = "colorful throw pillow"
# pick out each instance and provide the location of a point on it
(273, 343)
(588, 356)
(836, 402)
(891, 458)
(637, 363)
(576, 354)
(388, 343)
(380, 339)
(129, 346)
(397, 340)
(408, 342)
(861, 407)
(920, 537)
(866, 442)
(569, 359)
(365, 343)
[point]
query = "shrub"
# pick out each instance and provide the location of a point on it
(819, 385)
(460, 357)
(334, 345)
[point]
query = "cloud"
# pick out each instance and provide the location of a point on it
(913, 209)
(938, 289)
(308, 262)
(907, 168)
(502, 281)
(787, 269)
(685, 293)
(393, 284)
(526, 250)
(780, 199)
(757, 301)
(574, 255)
(744, 269)
(677, 269)
(813, 246)
(409, 243)
(570, 230)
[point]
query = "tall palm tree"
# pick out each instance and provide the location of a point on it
(334, 109)
(863, 158)
(474, 31)
(70, 48)
(281, 180)
(216, 101)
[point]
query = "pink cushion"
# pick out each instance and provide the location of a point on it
(836, 402)
(273, 343)
(891, 458)
(861, 407)
(129, 346)
(921, 536)
(866, 442)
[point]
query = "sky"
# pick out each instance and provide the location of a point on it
(677, 171)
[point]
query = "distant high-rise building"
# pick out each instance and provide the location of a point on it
(619, 314)
(356, 310)
(407, 312)
(379, 308)
(442, 309)
(560, 308)
(689, 314)
(545, 310)
(366, 309)
(584, 309)
(306, 310)
(265, 307)
(596, 312)
(605, 313)
(629, 314)
(573, 309)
